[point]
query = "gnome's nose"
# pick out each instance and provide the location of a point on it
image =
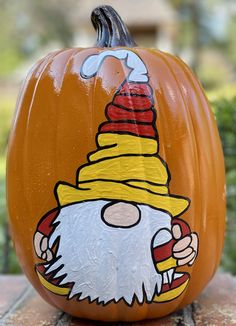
(121, 214)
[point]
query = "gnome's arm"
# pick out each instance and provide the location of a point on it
(185, 249)
(168, 255)
(45, 225)
(42, 234)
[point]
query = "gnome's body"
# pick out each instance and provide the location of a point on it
(116, 234)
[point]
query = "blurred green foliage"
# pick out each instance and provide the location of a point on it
(231, 44)
(26, 26)
(10, 54)
(10, 262)
(6, 108)
(225, 110)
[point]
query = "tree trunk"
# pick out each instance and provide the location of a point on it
(6, 250)
(195, 12)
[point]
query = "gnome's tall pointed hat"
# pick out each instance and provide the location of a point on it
(126, 165)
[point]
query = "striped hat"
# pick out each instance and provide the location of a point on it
(126, 165)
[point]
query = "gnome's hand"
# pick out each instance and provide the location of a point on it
(41, 246)
(186, 248)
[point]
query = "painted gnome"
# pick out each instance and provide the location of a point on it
(117, 234)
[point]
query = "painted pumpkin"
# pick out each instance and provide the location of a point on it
(115, 179)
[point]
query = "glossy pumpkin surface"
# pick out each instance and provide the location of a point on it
(57, 118)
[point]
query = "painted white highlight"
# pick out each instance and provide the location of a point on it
(107, 263)
(138, 72)
(175, 276)
(178, 275)
(165, 278)
(163, 236)
(170, 274)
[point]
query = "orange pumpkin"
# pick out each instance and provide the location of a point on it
(115, 179)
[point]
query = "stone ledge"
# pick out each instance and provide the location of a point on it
(20, 305)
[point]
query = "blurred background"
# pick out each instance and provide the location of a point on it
(202, 33)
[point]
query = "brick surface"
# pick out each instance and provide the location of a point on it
(12, 288)
(33, 311)
(20, 305)
(168, 321)
(217, 304)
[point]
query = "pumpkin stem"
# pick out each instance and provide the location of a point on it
(111, 30)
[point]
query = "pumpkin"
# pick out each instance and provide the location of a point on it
(115, 179)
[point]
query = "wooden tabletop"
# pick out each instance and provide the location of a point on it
(20, 305)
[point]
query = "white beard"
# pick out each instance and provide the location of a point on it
(107, 263)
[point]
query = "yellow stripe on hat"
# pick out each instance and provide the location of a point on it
(110, 190)
(146, 185)
(144, 168)
(123, 144)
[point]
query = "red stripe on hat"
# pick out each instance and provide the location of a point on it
(116, 114)
(144, 130)
(136, 89)
(133, 102)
